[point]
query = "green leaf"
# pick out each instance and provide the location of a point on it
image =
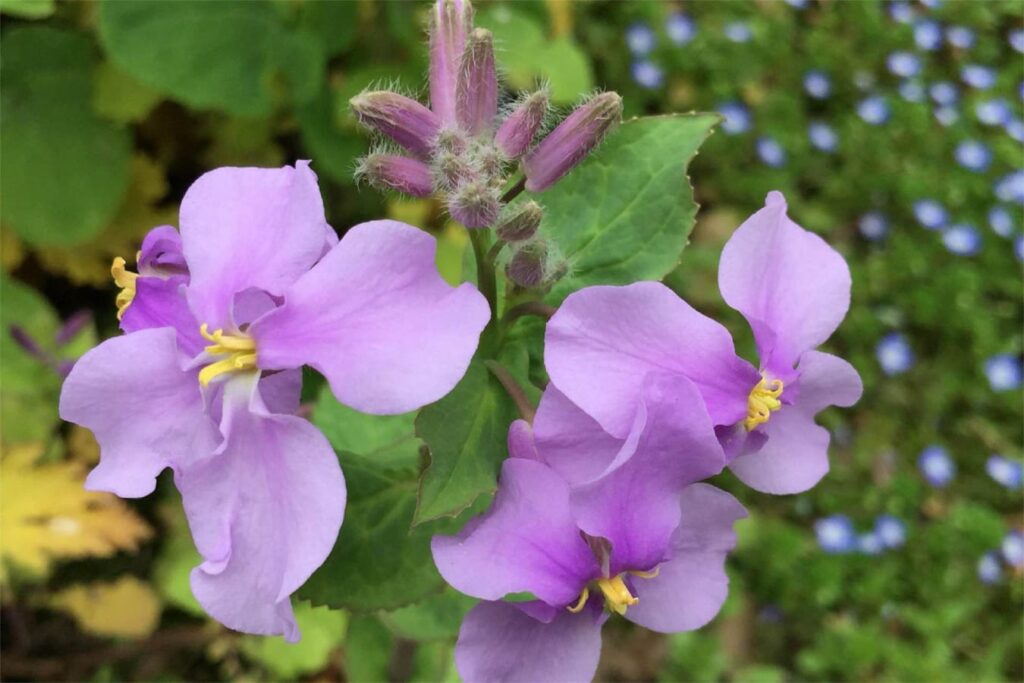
(466, 432)
(367, 650)
(216, 55)
(28, 9)
(71, 167)
(388, 440)
(626, 212)
(322, 631)
(121, 98)
(433, 618)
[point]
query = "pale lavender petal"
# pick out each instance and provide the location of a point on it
(792, 287)
(636, 506)
(249, 228)
(281, 391)
(826, 380)
(570, 441)
(521, 442)
(527, 541)
(144, 409)
(375, 317)
(604, 340)
(264, 511)
(161, 303)
(498, 643)
(161, 253)
(691, 587)
(792, 460)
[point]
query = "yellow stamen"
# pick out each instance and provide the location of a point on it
(647, 575)
(584, 596)
(125, 279)
(239, 349)
(763, 400)
(616, 594)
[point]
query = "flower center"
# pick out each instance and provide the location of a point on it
(763, 400)
(616, 594)
(239, 353)
(125, 279)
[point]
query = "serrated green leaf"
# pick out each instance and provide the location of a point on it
(433, 618)
(388, 440)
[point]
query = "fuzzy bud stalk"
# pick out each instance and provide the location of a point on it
(394, 172)
(450, 21)
(476, 96)
(516, 134)
(405, 121)
(519, 222)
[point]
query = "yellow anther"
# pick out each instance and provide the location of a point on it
(647, 575)
(584, 596)
(125, 279)
(239, 349)
(763, 400)
(616, 594)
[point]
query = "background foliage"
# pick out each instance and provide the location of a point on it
(110, 110)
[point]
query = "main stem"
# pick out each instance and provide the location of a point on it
(487, 283)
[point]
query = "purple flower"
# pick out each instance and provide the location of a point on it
(873, 225)
(640, 38)
(891, 531)
(901, 12)
(936, 466)
(794, 290)
(206, 381)
(977, 76)
(928, 34)
(1006, 472)
(912, 90)
(947, 116)
(1001, 221)
(944, 93)
(989, 569)
(1013, 549)
(962, 239)
(1016, 39)
(738, 32)
(873, 110)
(960, 37)
(1018, 247)
(817, 84)
(1003, 372)
(823, 136)
(680, 28)
(517, 132)
(771, 152)
(994, 112)
(476, 88)
(737, 118)
(797, 4)
(894, 354)
(648, 75)
(450, 22)
(903, 64)
(1010, 188)
(836, 534)
(1015, 129)
(930, 214)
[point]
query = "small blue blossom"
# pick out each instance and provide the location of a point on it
(912, 90)
(1017, 39)
(870, 544)
(1005, 472)
(680, 28)
(947, 116)
(874, 110)
(737, 118)
(927, 34)
(797, 4)
(873, 226)
(962, 239)
(891, 531)
(817, 84)
(904, 64)
(771, 152)
(989, 569)
(648, 75)
(822, 136)
(980, 77)
(1015, 129)
(1018, 247)
(932, 4)
(995, 112)
(973, 155)
(944, 92)
(738, 32)
(640, 38)
(894, 354)
(835, 534)
(1003, 372)
(1013, 549)
(936, 466)
(960, 37)
(930, 214)
(1001, 221)
(901, 12)
(1010, 188)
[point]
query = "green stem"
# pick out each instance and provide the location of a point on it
(514, 191)
(487, 283)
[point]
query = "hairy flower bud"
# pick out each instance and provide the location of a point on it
(449, 23)
(516, 133)
(452, 170)
(528, 265)
(476, 96)
(571, 141)
(405, 121)
(394, 172)
(475, 204)
(519, 222)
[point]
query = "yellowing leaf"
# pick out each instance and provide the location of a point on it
(126, 608)
(46, 514)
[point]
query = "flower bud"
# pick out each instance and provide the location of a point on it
(519, 222)
(475, 204)
(394, 172)
(528, 266)
(452, 170)
(450, 21)
(405, 121)
(476, 96)
(516, 133)
(72, 326)
(571, 141)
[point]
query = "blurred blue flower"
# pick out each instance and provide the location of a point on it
(1001, 221)
(944, 92)
(932, 4)
(962, 239)
(960, 37)
(1015, 129)
(738, 32)
(891, 531)
(989, 569)
(1018, 247)
(874, 110)
(817, 84)
(640, 38)
(822, 136)
(936, 466)
(973, 155)
(797, 4)
(930, 214)
(771, 152)
(737, 118)
(1017, 39)
(835, 534)
(1003, 372)
(980, 77)
(995, 112)
(901, 12)
(680, 28)
(648, 75)
(912, 90)
(1005, 472)
(904, 64)
(1010, 188)
(947, 116)
(870, 544)
(894, 354)
(873, 225)
(927, 34)
(1013, 549)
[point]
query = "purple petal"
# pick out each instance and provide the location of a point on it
(790, 285)
(826, 380)
(604, 340)
(281, 391)
(162, 303)
(691, 587)
(570, 441)
(248, 228)
(375, 317)
(792, 460)
(521, 442)
(499, 643)
(636, 506)
(161, 253)
(527, 541)
(264, 511)
(144, 409)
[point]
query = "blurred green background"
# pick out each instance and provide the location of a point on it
(894, 129)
